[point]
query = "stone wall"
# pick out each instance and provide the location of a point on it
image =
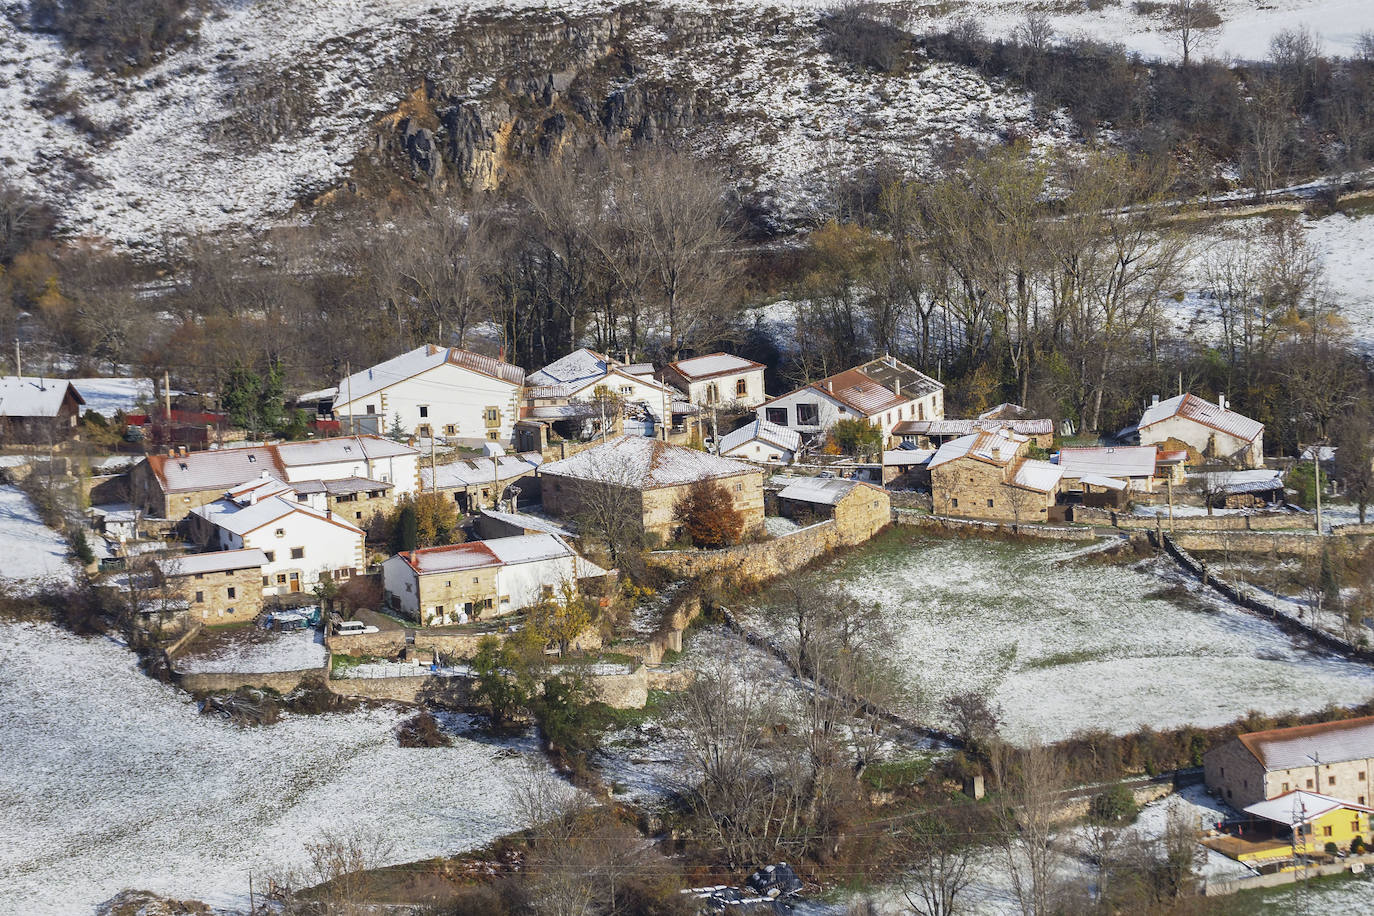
(945, 524)
(757, 561)
(1265, 521)
(450, 645)
(280, 681)
(909, 499)
(208, 594)
(1281, 878)
(1297, 543)
(629, 690)
(969, 488)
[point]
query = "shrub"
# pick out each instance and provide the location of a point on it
(859, 34)
(1358, 846)
(1332, 849)
(421, 730)
(708, 515)
(113, 34)
(857, 437)
(1115, 805)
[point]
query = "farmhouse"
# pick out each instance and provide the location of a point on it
(1310, 820)
(986, 475)
(1211, 430)
(576, 378)
(1123, 467)
(453, 584)
(761, 441)
(718, 378)
(222, 586)
(434, 392)
(1333, 758)
(476, 482)
(859, 509)
(883, 391)
(36, 410)
(171, 485)
(645, 478)
(300, 543)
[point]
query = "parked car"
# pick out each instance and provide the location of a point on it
(354, 628)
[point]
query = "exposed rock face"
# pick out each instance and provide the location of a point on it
(144, 903)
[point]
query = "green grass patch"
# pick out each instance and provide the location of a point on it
(654, 706)
(1076, 657)
(339, 664)
(896, 775)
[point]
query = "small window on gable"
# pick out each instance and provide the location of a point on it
(475, 580)
(280, 532)
(252, 459)
(231, 592)
(424, 410)
(297, 553)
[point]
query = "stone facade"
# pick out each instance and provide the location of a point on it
(862, 513)
(657, 508)
(472, 590)
(220, 597)
(969, 488)
(1233, 772)
(1241, 779)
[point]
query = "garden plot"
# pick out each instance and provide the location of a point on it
(29, 549)
(254, 650)
(1063, 647)
(122, 783)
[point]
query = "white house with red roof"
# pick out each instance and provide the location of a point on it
(436, 392)
(457, 582)
(1211, 430)
(883, 391)
(718, 378)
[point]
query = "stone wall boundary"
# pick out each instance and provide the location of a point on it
(1281, 878)
(215, 682)
(761, 560)
(948, 523)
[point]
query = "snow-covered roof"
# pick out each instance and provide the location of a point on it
(875, 386)
(1299, 807)
(249, 492)
(956, 427)
(242, 520)
(1330, 742)
(422, 359)
(643, 463)
(824, 491)
(475, 471)
(907, 457)
(528, 522)
(1259, 480)
(1097, 480)
(32, 396)
(108, 396)
(450, 558)
(713, 364)
(193, 564)
(1327, 452)
(341, 487)
(528, 548)
(1006, 411)
(323, 394)
(574, 387)
(228, 467)
(1033, 474)
(1110, 461)
(999, 446)
(577, 368)
(1192, 407)
(763, 431)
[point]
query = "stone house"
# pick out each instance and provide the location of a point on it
(493, 523)
(437, 392)
(760, 440)
(1210, 430)
(474, 483)
(460, 582)
(883, 391)
(38, 410)
(718, 378)
(647, 478)
(1125, 467)
(356, 499)
(170, 486)
(859, 509)
(986, 475)
(934, 432)
(1333, 758)
(565, 387)
(223, 586)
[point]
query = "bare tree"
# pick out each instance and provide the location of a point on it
(1190, 23)
(337, 876)
(942, 863)
(1354, 441)
(1036, 32)
(1032, 859)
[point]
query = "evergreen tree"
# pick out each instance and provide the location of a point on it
(407, 536)
(240, 398)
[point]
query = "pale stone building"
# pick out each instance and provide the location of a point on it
(649, 477)
(859, 509)
(986, 475)
(1333, 758)
(1211, 430)
(223, 586)
(718, 378)
(883, 391)
(761, 441)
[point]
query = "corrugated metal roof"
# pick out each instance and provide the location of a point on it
(577, 368)
(528, 548)
(529, 522)
(907, 457)
(1097, 480)
(1033, 474)
(476, 471)
(1299, 807)
(643, 463)
(229, 467)
(450, 558)
(875, 386)
(1111, 461)
(34, 396)
(998, 447)
(955, 427)
(770, 433)
(700, 367)
(215, 561)
(825, 491)
(1260, 480)
(1194, 408)
(1331, 742)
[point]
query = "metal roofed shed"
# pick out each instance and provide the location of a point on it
(701, 367)
(1299, 807)
(1332, 742)
(193, 564)
(510, 523)
(818, 490)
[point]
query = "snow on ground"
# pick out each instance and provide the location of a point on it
(122, 783)
(256, 651)
(29, 550)
(1065, 647)
(106, 396)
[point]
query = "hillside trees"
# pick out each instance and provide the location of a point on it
(115, 34)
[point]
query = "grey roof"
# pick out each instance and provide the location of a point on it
(825, 491)
(477, 471)
(1330, 742)
(216, 561)
(33, 396)
(1192, 407)
(642, 463)
(763, 431)
(529, 522)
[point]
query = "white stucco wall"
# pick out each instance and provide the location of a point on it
(454, 396)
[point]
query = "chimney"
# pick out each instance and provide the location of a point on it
(1154, 400)
(829, 385)
(1221, 401)
(898, 387)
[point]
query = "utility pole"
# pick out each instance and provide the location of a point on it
(167, 395)
(18, 365)
(1169, 485)
(348, 382)
(252, 903)
(1317, 477)
(433, 468)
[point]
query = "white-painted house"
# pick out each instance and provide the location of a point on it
(299, 542)
(1211, 430)
(883, 391)
(576, 377)
(761, 441)
(452, 584)
(437, 392)
(718, 378)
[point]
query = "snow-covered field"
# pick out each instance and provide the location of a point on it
(255, 651)
(111, 780)
(106, 396)
(1063, 647)
(29, 549)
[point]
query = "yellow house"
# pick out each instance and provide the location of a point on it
(1313, 820)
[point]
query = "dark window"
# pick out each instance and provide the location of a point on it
(989, 503)
(954, 503)
(200, 597)
(777, 415)
(270, 554)
(424, 410)
(229, 592)
(371, 408)
(808, 414)
(741, 387)
(297, 553)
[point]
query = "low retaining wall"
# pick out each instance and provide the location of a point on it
(1298, 543)
(450, 645)
(945, 523)
(619, 691)
(1281, 878)
(759, 561)
(1265, 521)
(280, 681)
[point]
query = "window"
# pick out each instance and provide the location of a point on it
(448, 584)
(808, 414)
(424, 411)
(200, 575)
(281, 578)
(920, 411)
(776, 415)
(626, 390)
(493, 416)
(739, 488)
(1355, 826)
(1361, 776)
(230, 592)
(1330, 780)
(301, 497)
(475, 580)
(492, 435)
(712, 393)
(297, 553)
(252, 459)
(451, 429)
(266, 581)
(200, 597)
(270, 554)
(741, 388)
(954, 502)
(358, 516)
(1361, 801)
(280, 532)
(989, 504)
(371, 408)
(1285, 787)
(1223, 771)
(424, 431)
(228, 610)
(1309, 783)
(1326, 831)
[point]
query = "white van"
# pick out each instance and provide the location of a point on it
(353, 628)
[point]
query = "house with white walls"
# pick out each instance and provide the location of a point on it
(481, 579)
(299, 543)
(1211, 431)
(718, 379)
(436, 392)
(574, 379)
(760, 440)
(884, 391)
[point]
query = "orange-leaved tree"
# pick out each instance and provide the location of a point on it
(708, 516)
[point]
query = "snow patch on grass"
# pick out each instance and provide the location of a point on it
(29, 549)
